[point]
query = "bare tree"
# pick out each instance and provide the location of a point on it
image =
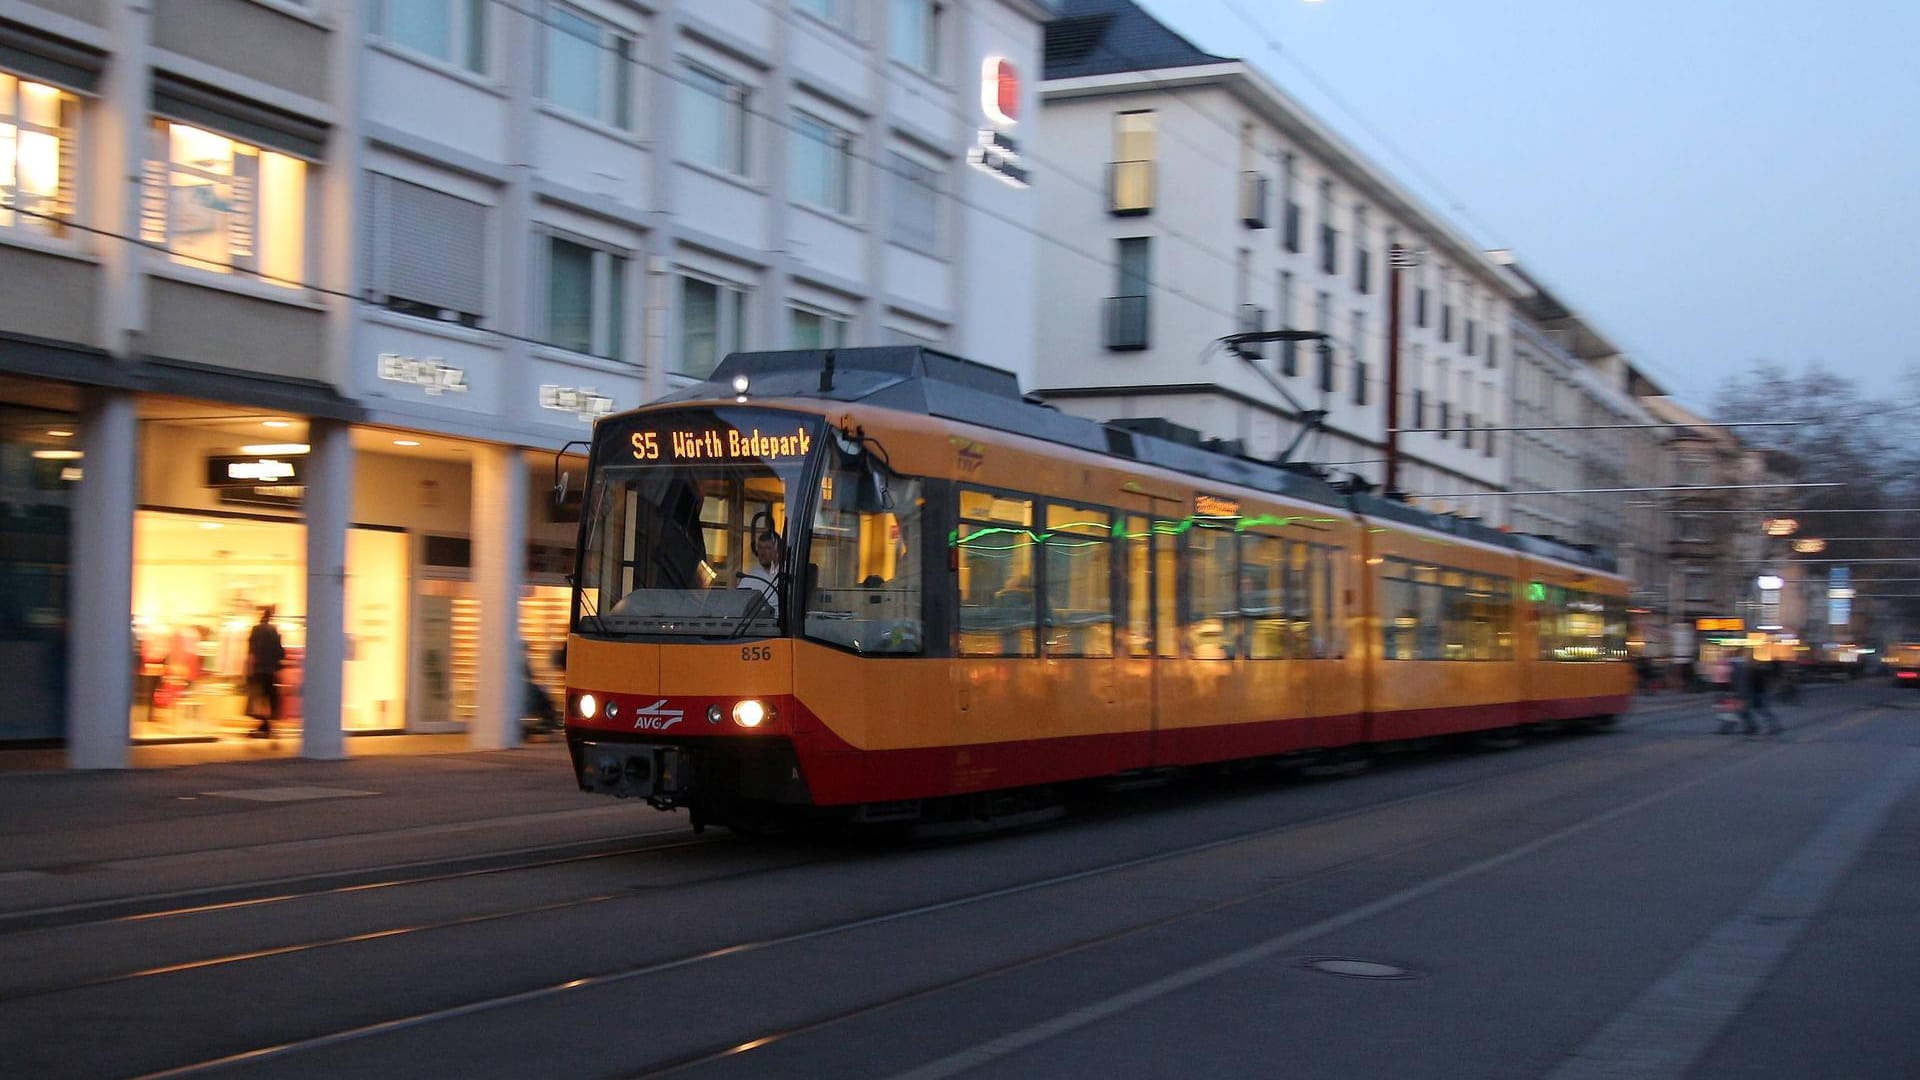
(1861, 437)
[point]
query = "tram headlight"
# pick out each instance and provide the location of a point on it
(588, 705)
(750, 713)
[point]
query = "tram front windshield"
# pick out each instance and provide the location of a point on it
(687, 524)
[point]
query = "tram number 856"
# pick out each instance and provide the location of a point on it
(756, 652)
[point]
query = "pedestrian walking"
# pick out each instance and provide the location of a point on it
(265, 654)
(1753, 699)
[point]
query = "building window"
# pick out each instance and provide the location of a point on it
(822, 165)
(838, 13)
(426, 251)
(1290, 205)
(223, 205)
(589, 67)
(1493, 350)
(1329, 236)
(713, 322)
(713, 120)
(914, 209)
(1126, 314)
(1323, 322)
(1359, 349)
(36, 156)
(915, 38)
(451, 30)
(1130, 175)
(817, 330)
(1289, 350)
(586, 298)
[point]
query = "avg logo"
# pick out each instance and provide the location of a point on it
(1000, 91)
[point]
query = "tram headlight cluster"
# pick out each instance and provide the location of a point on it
(589, 706)
(751, 713)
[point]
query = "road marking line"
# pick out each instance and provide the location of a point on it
(1013, 1042)
(1666, 1031)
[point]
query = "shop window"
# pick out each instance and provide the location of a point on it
(589, 67)
(36, 156)
(223, 205)
(586, 291)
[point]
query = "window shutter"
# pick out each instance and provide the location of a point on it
(428, 247)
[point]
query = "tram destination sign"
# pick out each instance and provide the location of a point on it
(718, 442)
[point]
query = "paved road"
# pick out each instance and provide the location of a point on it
(1655, 901)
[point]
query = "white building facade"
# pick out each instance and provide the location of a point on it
(311, 292)
(1186, 198)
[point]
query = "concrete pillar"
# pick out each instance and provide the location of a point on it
(329, 505)
(100, 591)
(499, 571)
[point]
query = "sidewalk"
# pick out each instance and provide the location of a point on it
(284, 747)
(87, 837)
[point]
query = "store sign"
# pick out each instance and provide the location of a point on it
(994, 150)
(224, 471)
(1720, 626)
(429, 373)
(581, 401)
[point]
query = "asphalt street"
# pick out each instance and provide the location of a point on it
(1658, 900)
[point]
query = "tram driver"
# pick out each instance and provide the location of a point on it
(766, 575)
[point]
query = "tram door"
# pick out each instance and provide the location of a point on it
(1152, 573)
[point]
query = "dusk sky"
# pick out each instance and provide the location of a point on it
(1711, 183)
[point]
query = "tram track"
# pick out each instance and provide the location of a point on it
(536, 995)
(148, 907)
(517, 861)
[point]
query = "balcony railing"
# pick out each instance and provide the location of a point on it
(1126, 322)
(1129, 187)
(1253, 199)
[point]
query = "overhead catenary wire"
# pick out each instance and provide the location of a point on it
(1325, 87)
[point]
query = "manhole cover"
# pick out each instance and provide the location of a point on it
(1350, 968)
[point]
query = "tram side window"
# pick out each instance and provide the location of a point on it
(999, 614)
(1432, 606)
(1139, 538)
(1263, 595)
(1616, 635)
(1399, 612)
(1079, 581)
(1213, 622)
(1299, 599)
(1550, 606)
(1166, 588)
(865, 582)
